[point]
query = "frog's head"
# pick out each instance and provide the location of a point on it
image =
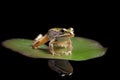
(60, 33)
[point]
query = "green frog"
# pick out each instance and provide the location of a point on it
(60, 38)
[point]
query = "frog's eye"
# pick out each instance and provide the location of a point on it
(71, 29)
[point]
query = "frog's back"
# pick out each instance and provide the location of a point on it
(57, 29)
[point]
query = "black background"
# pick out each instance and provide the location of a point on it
(28, 20)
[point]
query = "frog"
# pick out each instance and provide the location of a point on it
(60, 37)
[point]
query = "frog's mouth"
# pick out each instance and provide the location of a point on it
(67, 35)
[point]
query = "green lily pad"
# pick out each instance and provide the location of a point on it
(83, 49)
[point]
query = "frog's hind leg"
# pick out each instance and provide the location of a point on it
(39, 40)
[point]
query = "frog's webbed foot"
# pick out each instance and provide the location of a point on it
(36, 41)
(52, 51)
(68, 53)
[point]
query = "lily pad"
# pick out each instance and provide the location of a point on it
(83, 49)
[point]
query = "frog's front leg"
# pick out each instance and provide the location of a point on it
(51, 46)
(69, 51)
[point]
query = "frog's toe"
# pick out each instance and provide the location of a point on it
(68, 53)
